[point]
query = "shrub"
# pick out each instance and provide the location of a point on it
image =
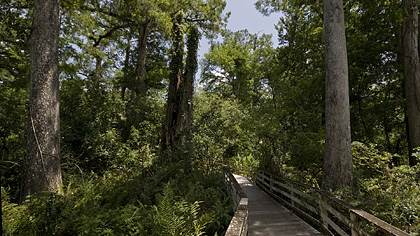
(159, 201)
(389, 192)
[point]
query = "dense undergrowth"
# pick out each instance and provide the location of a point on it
(113, 186)
(116, 187)
(161, 200)
(385, 188)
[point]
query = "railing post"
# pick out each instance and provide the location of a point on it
(271, 183)
(323, 211)
(353, 219)
(291, 198)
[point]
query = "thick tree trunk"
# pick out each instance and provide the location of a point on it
(141, 84)
(411, 66)
(170, 136)
(185, 118)
(338, 167)
(43, 170)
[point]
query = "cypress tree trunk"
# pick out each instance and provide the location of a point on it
(43, 169)
(170, 136)
(185, 118)
(338, 167)
(411, 67)
(141, 85)
(139, 90)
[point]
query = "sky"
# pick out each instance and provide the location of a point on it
(245, 16)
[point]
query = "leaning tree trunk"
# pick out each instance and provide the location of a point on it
(411, 66)
(43, 170)
(338, 167)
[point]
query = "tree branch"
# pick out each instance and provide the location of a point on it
(108, 34)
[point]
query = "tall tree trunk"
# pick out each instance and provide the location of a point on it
(43, 169)
(338, 167)
(139, 90)
(239, 83)
(170, 137)
(411, 67)
(97, 75)
(124, 83)
(141, 84)
(184, 120)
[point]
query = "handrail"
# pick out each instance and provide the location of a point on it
(239, 224)
(332, 215)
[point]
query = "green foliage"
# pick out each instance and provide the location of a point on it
(11, 212)
(370, 162)
(389, 192)
(261, 107)
(376, 98)
(113, 186)
(174, 216)
(294, 107)
(15, 18)
(219, 130)
(244, 164)
(394, 197)
(416, 153)
(236, 65)
(306, 151)
(125, 203)
(87, 116)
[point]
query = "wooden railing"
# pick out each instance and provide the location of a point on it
(331, 215)
(239, 224)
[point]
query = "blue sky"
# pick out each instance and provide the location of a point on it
(245, 16)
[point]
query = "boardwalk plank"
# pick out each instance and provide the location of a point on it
(268, 217)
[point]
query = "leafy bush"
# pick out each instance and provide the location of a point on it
(220, 131)
(245, 164)
(159, 201)
(389, 192)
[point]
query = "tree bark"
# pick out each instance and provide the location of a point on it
(338, 167)
(139, 90)
(124, 83)
(141, 84)
(170, 136)
(97, 75)
(43, 169)
(411, 67)
(185, 113)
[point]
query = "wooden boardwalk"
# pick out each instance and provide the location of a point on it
(268, 217)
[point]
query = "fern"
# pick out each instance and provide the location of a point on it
(175, 216)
